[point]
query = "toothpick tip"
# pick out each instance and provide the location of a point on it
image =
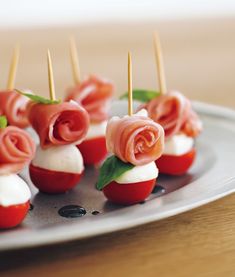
(74, 60)
(50, 76)
(159, 62)
(130, 106)
(13, 67)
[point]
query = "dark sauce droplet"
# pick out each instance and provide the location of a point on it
(95, 212)
(142, 202)
(158, 190)
(31, 207)
(72, 211)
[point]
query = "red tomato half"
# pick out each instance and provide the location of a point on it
(12, 216)
(176, 165)
(128, 194)
(53, 182)
(93, 150)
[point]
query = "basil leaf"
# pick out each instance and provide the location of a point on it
(111, 169)
(142, 95)
(38, 99)
(3, 122)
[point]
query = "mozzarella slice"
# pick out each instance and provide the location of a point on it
(13, 190)
(139, 173)
(178, 145)
(65, 158)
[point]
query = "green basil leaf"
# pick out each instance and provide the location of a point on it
(111, 169)
(142, 95)
(38, 99)
(3, 122)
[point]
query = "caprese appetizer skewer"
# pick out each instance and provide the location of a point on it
(180, 122)
(12, 104)
(58, 164)
(94, 94)
(136, 141)
(174, 112)
(16, 150)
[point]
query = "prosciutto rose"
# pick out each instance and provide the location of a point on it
(94, 94)
(16, 149)
(14, 106)
(135, 139)
(174, 112)
(59, 124)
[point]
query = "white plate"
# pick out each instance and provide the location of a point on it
(211, 177)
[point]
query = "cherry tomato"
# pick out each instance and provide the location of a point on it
(128, 194)
(176, 165)
(53, 182)
(12, 216)
(93, 150)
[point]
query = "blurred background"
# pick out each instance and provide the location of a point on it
(198, 41)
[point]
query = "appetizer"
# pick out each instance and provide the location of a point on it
(181, 125)
(135, 141)
(16, 150)
(174, 112)
(58, 164)
(94, 94)
(12, 104)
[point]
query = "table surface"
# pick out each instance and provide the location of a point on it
(200, 59)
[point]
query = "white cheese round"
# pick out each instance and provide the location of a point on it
(139, 173)
(96, 130)
(178, 145)
(13, 190)
(64, 158)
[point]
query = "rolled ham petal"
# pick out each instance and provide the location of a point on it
(135, 139)
(193, 125)
(15, 107)
(16, 150)
(174, 112)
(94, 94)
(59, 124)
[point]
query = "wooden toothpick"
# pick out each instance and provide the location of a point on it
(50, 76)
(159, 63)
(13, 68)
(74, 61)
(130, 106)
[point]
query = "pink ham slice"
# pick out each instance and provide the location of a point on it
(14, 107)
(193, 125)
(135, 139)
(174, 112)
(94, 94)
(16, 150)
(59, 124)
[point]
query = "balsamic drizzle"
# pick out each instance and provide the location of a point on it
(72, 211)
